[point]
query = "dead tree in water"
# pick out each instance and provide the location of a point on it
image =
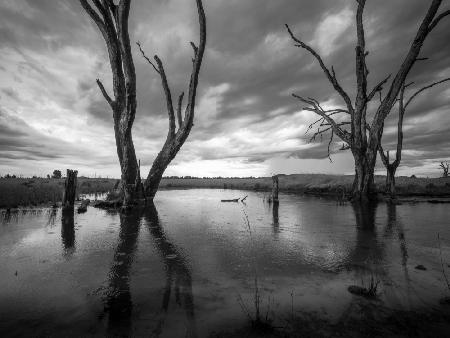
(364, 145)
(444, 168)
(391, 168)
(70, 190)
(112, 21)
(176, 138)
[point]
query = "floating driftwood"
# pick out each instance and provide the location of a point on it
(235, 200)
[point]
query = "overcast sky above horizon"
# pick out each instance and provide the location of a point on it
(52, 115)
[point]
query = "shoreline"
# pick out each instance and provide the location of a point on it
(40, 192)
(381, 198)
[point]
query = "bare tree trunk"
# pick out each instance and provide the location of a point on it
(129, 170)
(112, 21)
(70, 190)
(155, 175)
(363, 184)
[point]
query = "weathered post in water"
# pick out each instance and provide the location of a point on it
(70, 190)
(67, 218)
(275, 189)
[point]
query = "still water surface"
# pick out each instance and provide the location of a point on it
(187, 265)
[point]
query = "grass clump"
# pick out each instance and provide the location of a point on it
(369, 291)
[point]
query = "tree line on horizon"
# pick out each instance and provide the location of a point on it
(350, 124)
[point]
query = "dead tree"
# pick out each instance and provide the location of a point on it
(112, 21)
(176, 136)
(70, 190)
(350, 124)
(391, 168)
(444, 167)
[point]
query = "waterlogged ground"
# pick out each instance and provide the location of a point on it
(191, 266)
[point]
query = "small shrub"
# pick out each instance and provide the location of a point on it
(56, 174)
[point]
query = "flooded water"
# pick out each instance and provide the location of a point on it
(191, 265)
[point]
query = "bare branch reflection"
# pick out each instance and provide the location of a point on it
(178, 274)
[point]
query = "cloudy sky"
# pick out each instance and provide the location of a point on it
(53, 116)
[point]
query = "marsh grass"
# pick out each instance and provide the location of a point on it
(367, 290)
(336, 185)
(21, 192)
(259, 323)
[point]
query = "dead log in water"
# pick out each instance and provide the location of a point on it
(235, 200)
(70, 190)
(232, 200)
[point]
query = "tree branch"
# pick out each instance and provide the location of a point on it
(378, 88)
(94, 16)
(180, 103)
(168, 94)
(414, 50)
(146, 58)
(329, 144)
(196, 65)
(105, 93)
(344, 135)
(437, 19)
(425, 88)
(195, 48)
(383, 156)
(401, 114)
(331, 77)
(361, 67)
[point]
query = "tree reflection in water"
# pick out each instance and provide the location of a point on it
(118, 303)
(394, 223)
(118, 300)
(367, 248)
(368, 255)
(178, 274)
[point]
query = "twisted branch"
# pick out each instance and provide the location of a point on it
(331, 76)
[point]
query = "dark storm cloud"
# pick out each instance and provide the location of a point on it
(19, 141)
(250, 69)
